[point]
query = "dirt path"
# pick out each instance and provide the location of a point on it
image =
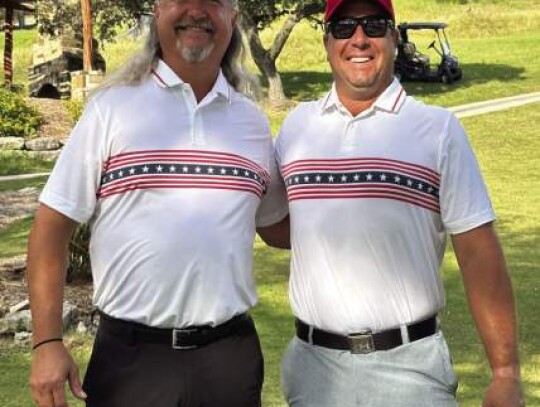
(58, 122)
(15, 205)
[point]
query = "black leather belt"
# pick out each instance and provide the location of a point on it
(367, 341)
(186, 338)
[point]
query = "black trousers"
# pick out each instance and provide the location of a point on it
(126, 372)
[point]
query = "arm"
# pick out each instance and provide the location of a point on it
(52, 365)
(277, 235)
(491, 300)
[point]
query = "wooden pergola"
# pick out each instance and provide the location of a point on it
(10, 6)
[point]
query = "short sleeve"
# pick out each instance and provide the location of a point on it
(465, 202)
(73, 184)
(274, 206)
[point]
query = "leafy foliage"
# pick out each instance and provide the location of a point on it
(263, 13)
(18, 119)
(75, 108)
(59, 16)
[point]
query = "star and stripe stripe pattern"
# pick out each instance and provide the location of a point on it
(181, 169)
(363, 178)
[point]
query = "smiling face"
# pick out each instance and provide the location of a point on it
(363, 67)
(194, 31)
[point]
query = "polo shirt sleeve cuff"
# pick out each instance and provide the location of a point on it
(64, 207)
(470, 223)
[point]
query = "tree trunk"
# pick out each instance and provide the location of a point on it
(86, 7)
(8, 49)
(267, 66)
(276, 93)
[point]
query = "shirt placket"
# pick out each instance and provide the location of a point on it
(196, 126)
(353, 125)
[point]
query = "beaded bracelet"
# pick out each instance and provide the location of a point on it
(37, 345)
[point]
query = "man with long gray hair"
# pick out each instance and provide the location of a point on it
(173, 167)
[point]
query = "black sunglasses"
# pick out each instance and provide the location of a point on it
(343, 28)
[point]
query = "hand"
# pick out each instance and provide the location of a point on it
(504, 392)
(52, 365)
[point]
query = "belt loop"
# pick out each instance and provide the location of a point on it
(310, 335)
(404, 334)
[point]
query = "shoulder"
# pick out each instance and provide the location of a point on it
(122, 99)
(302, 112)
(420, 110)
(246, 114)
(119, 93)
(298, 118)
(245, 104)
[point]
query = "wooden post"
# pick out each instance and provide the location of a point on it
(86, 7)
(8, 50)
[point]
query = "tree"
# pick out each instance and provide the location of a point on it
(258, 15)
(108, 15)
(58, 16)
(10, 6)
(86, 9)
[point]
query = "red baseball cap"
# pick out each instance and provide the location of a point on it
(333, 5)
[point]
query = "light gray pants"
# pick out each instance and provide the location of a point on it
(417, 374)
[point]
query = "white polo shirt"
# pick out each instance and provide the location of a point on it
(174, 191)
(371, 200)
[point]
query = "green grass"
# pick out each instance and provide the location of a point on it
(16, 185)
(507, 146)
(15, 162)
(22, 55)
(505, 159)
(14, 237)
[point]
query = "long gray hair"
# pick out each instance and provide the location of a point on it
(233, 64)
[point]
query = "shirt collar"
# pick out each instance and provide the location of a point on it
(392, 98)
(165, 77)
(389, 101)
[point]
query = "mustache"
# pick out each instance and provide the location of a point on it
(190, 23)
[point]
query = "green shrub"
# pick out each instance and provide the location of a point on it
(17, 119)
(75, 108)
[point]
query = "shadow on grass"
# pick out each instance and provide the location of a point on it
(306, 85)
(309, 85)
(473, 74)
(470, 362)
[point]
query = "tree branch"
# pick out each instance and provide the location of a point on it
(283, 35)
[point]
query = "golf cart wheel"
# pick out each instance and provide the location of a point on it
(446, 78)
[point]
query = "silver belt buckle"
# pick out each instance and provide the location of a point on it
(362, 342)
(177, 335)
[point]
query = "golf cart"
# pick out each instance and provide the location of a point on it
(412, 65)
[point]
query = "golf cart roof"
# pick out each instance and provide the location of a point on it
(421, 26)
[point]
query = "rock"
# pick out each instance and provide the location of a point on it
(42, 144)
(11, 143)
(19, 321)
(4, 327)
(81, 328)
(23, 338)
(13, 265)
(24, 305)
(69, 313)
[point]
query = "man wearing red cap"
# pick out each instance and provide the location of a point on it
(375, 182)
